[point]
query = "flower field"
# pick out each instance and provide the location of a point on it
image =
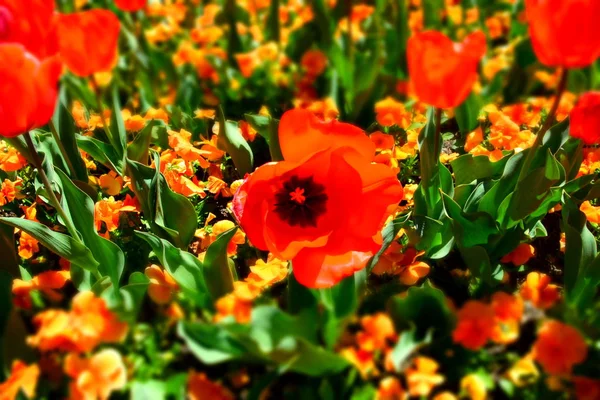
(299, 199)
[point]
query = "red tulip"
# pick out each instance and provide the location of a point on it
(443, 72)
(28, 91)
(324, 206)
(564, 33)
(89, 41)
(585, 118)
(30, 23)
(131, 5)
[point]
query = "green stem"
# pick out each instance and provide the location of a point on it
(37, 162)
(62, 149)
(350, 49)
(98, 93)
(438, 131)
(562, 84)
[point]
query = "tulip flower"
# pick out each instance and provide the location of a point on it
(443, 72)
(585, 118)
(29, 90)
(131, 5)
(564, 33)
(88, 41)
(324, 206)
(30, 23)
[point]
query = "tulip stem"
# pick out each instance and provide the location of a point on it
(62, 149)
(438, 131)
(560, 89)
(37, 162)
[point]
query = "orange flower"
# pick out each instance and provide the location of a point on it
(96, 377)
(29, 89)
(324, 205)
(111, 183)
(88, 41)
(231, 304)
(538, 289)
(199, 387)
(520, 255)
(22, 378)
(421, 378)
(382, 141)
(474, 139)
(442, 72)
(362, 360)
(592, 213)
(218, 187)
(393, 261)
(47, 282)
(564, 33)
(88, 324)
(180, 142)
(314, 62)
(10, 159)
(28, 245)
(9, 190)
(162, 287)
(559, 347)
(108, 211)
(474, 386)
(391, 112)
(31, 24)
(390, 388)
(248, 62)
(264, 274)
(585, 119)
(131, 5)
(378, 329)
(475, 325)
(508, 311)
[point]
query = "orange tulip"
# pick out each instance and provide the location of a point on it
(323, 207)
(131, 5)
(585, 118)
(30, 23)
(88, 41)
(443, 72)
(564, 33)
(28, 92)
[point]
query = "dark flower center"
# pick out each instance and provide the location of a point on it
(300, 201)
(6, 18)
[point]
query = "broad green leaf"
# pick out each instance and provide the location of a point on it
(470, 229)
(63, 245)
(468, 168)
(406, 346)
(65, 126)
(478, 262)
(467, 113)
(139, 149)
(426, 309)
(232, 141)
(185, 268)
(217, 272)
(80, 208)
(133, 295)
(580, 250)
(118, 133)
(272, 31)
(9, 260)
(268, 128)
(102, 152)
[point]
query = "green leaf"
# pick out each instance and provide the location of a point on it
(426, 309)
(63, 245)
(432, 13)
(467, 113)
(389, 233)
(271, 338)
(102, 152)
(5, 310)
(80, 208)
(8, 252)
(406, 346)
(133, 295)
(65, 126)
(478, 262)
(580, 250)
(156, 199)
(268, 128)
(272, 31)
(471, 229)
(185, 268)
(118, 133)
(217, 273)
(231, 140)
(139, 149)
(468, 168)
